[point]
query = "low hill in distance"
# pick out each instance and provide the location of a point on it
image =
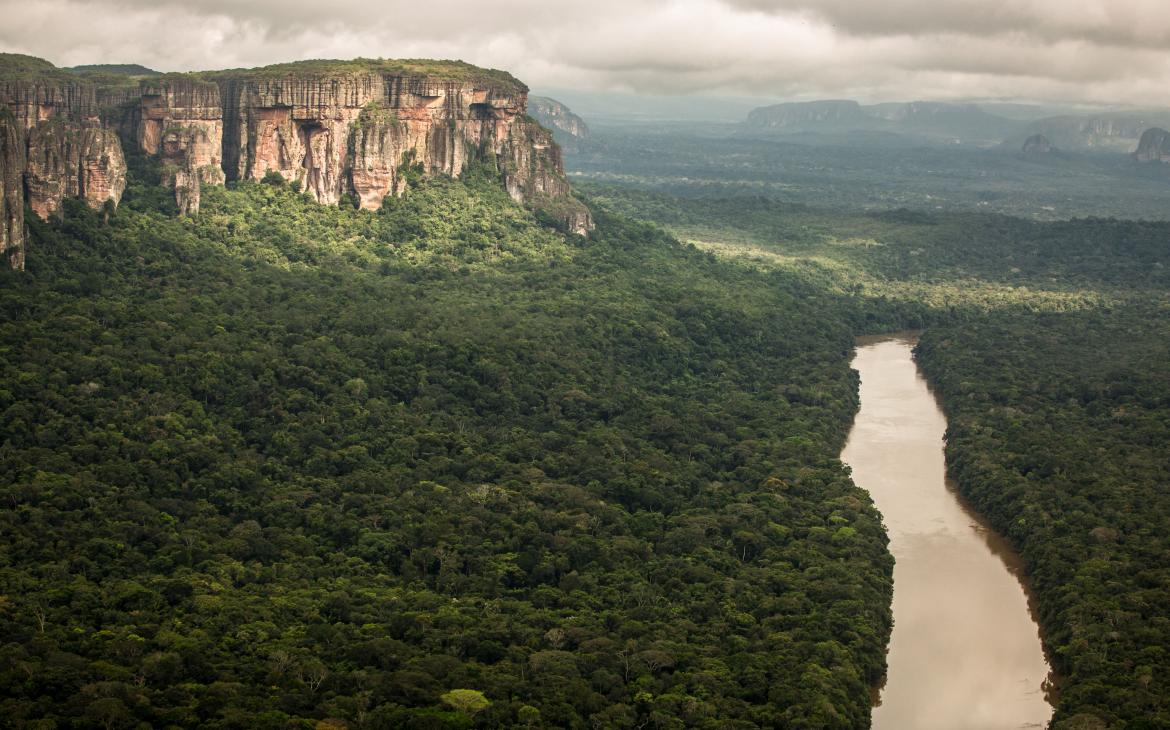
(953, 123)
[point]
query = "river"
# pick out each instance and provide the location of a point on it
(965, 652)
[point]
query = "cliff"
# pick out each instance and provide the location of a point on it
(1154, 146)
(568, 128)
(334, 128)
(1113, 132)
(12, 164)
(53, 145)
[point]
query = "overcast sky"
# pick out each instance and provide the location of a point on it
(1043, 50)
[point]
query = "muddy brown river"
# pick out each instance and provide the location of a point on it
(965, 653)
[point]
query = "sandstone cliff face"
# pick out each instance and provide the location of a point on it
(334, 128)
(1154, 146)
(53, 145)
(352, 133)
(67, 159)
(802, 114)
(12, 164)
(181, 122)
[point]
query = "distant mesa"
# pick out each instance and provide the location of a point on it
(965, 123)
(557, 117)
(1038, 144)
(1154, 146)
(798, 115)
(940, 121)
(1103, 132)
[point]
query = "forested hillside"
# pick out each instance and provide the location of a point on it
(433, 466)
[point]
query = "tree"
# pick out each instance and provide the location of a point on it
(467, 701)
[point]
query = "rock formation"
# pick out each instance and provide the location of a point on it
(800, 115)
(180, 121)
(568, 128)
(1114, 132)
(335, 128)
(1037, 144)
(1154, 146)
(54, 146)
(12, 164)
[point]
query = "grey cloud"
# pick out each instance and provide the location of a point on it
(1112, 22)
(1097, 51)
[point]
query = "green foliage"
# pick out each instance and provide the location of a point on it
(870, 172)
(284, 463)
(322, 68)
(1046, 340)
(467, 701)
(1058, 433)
(942, 259)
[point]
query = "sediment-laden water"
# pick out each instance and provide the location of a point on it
(965, 653)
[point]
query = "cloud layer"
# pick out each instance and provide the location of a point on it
(1106, 51)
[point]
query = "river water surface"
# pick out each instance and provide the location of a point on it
(965, 653)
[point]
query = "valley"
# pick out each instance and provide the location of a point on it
(1050, 325)
(384, 394)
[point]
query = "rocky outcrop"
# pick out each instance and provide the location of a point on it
(568, 128)
(938, 121)
(1154, 146)
(334, 128)
(1037, 144)
(12, 165)
(534, 172)
(1113, 132)
(53, 145)
(68, 159)
(352, 128)
(180, 120)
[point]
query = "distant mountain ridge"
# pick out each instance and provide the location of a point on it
(953, 122)
(965, 123)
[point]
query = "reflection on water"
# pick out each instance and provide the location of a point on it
(965, 653)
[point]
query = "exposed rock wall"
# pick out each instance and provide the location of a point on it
(68, 159)
(180, 120)
(12, 165)
(53, 145)
(1154, 146)
(1037, 144)
(353, 133)
(334, 128)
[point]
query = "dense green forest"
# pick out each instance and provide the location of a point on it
(1047, 342)
(284, 465)
(440, 466)
(859, 171)
(944, 264)
(1058, 433)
